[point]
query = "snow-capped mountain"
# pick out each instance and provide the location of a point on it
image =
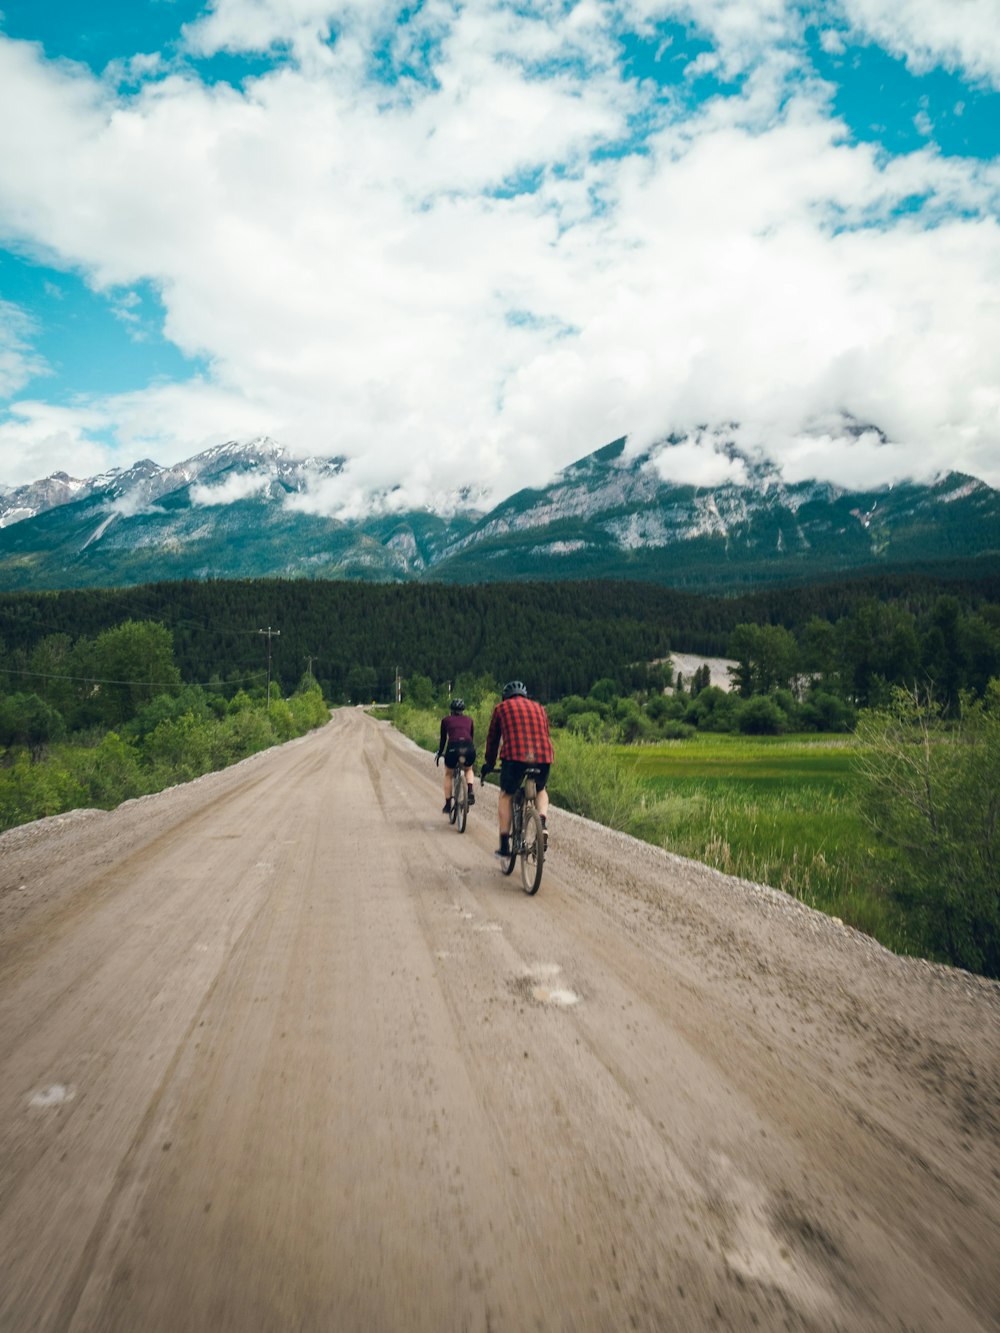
(248, 509)
(21, 502)
(614, 514)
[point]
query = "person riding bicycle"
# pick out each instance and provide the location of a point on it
(456, 744)
(522, 725)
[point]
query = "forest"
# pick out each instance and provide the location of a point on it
(855, 637)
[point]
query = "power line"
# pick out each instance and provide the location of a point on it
(160, 684)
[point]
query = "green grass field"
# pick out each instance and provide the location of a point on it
(776, 810)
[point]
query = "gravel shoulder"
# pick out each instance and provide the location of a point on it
(280, 1049)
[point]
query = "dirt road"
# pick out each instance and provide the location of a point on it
(280, 1050)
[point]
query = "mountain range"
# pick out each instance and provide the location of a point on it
(246, 510)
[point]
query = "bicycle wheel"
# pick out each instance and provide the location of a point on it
(461, 802)
(453, 812)
(532, 851)
(507, 866)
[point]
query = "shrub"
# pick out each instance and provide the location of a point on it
(672, 730)
(179, 749)
(713, 710)
(760, 716)
(109, 773)
(33, 790)
(823, 711)
(932, 791)
(586, 724)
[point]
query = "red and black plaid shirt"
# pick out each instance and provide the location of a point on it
(524, 727)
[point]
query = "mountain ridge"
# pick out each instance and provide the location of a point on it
(251, 509)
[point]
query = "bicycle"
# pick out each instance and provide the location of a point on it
(527, 837)
(459, 812)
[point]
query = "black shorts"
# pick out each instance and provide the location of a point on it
(512, 771)
(463, 753)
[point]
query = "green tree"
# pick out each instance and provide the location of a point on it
(362, 682)
(132, 663)
(605, 690)
(767, 658)
(27, 720)
(419, 691)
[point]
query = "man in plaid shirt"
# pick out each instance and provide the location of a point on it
(523, 726)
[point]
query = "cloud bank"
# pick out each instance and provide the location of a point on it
(469, 247)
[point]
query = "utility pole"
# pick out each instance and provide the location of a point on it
(271, 634)
(309, 659)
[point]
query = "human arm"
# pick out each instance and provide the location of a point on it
(492, 742)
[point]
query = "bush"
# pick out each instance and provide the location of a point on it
(33, 790)
(760, 716)
(590, 725)
(713, 710)
(823, 711)
(179, 749)
(932, 791)
(672, 730)
(108, 773)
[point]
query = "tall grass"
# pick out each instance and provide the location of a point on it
(806, 840)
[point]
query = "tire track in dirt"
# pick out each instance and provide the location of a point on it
(324, 1067)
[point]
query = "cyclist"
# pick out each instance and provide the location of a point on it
(522, 725)
(456, 745)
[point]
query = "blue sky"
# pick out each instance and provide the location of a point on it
(465, 245)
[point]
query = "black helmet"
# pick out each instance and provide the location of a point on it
(458, 705)
(515, 687)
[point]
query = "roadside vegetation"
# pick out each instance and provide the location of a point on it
(894, 829)
(110, 719)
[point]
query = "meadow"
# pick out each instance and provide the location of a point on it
(778, 810)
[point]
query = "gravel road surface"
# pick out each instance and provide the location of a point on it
(281, 1050)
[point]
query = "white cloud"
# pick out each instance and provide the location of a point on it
(698, 462)
(960, 34)
(37, 438)
(742, 32)
(19, 362)
(238, 486)
(873, 462)
(439, 279)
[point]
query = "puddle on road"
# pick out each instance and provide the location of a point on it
(52, 1096)
(538, 983)
(559, 996)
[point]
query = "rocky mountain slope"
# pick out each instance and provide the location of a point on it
(237, 510)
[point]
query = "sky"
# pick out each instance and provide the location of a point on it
(464, 245)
